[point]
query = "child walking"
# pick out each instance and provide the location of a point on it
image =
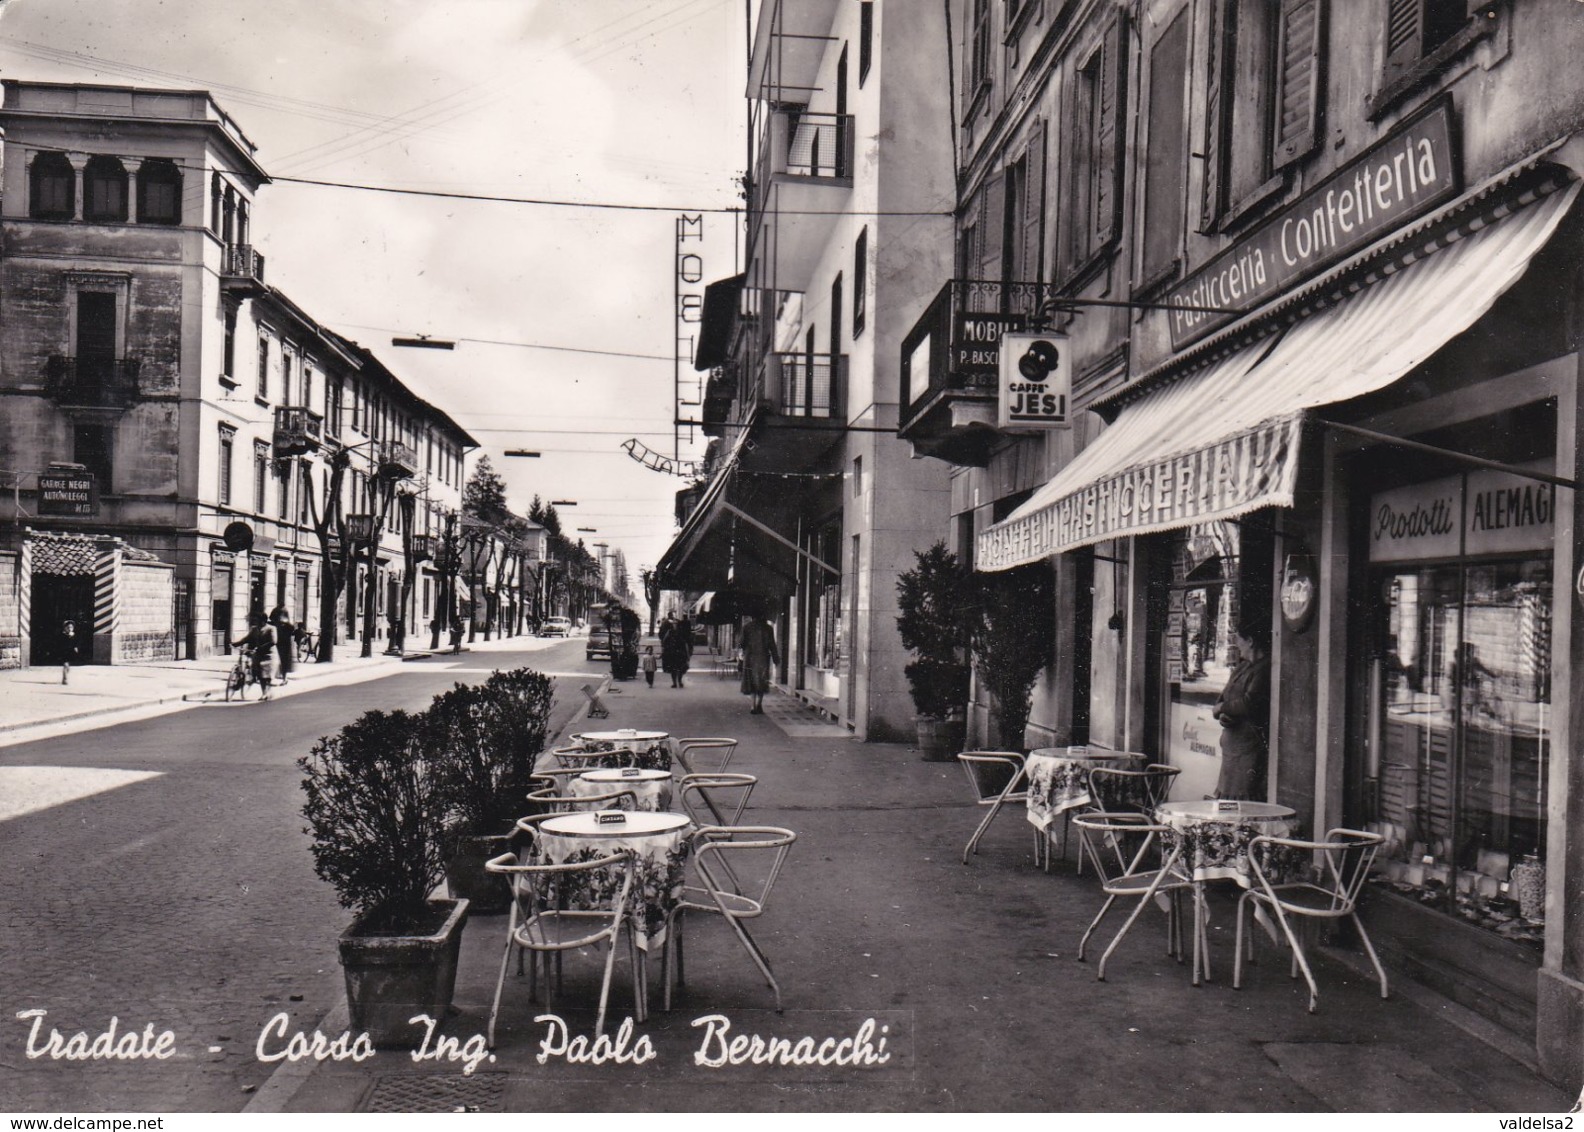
(649, 665)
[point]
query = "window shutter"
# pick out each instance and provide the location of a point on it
(992, 222)
(1217, 91)
(1034, 204)
(1405, 31)
(1110, 127)
(1299, 81)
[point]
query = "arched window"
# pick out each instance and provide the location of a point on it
(52, 188)
(228, 218)
(159, 192)
(105, 190)
(214, 203)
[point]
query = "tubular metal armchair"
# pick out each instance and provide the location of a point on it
(1125, 790)
(705, 791)
(995, 778)
(1339, 866)
(1123, 849)
(711, 748)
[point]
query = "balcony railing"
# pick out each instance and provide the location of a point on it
(956, 344)
(818, 145)
(297, 430)
(800, 386)
(240, 261)
(423, 547)
(397, 461)
(93, 383)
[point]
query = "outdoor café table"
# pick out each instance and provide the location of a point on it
(654, 749)
(651, 788)
(658, 842)
(1209, 840)
(1058, 778)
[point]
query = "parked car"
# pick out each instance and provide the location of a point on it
(598, 641)
(555, 627)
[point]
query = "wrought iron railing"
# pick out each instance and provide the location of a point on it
(297, 430)
(397, 460)
(241, 261)
(807, 386)
(93, 383)
(956, 343)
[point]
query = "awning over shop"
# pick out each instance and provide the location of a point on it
(1224, 441)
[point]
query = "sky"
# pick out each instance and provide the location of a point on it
(624, 102)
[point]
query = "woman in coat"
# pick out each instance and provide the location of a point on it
(1244, 714)
(673, 651)
(759, 655)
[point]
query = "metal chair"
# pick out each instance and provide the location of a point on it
(551, 802)
(698, 790)
(545, 922)
(1339, 866)
(1125, 790)
(722, 893)
(720, 748)
(576, 758)
(994, 776)
(1123, 847)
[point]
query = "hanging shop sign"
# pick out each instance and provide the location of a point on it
(1036, 382)
(1406, 174)
(1500, 513)
(976, 342)
(63, 491)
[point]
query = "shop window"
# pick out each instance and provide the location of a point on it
(1265, 87)
(159, 192)
(1166, 156)
(860, 282)
(822, 623)
(105, 190)
(52, 188)
(93, 448)
(1097, 90)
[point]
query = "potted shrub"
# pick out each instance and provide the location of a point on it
(935, 620)
(1012, 642)
(483, 741)
(377, 822)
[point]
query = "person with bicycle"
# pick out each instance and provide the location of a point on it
(285, 634)
(260, 644)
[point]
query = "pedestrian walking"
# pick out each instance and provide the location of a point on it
(759, 654)
(650, 662)
(260, 644)
(285, 639)
(69, 648)
(673, 650)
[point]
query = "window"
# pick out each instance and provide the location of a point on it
(1262, 104)
(52, 187)
(228, 217)
(979, 50)
(304, 492)
(261, 475)
(105, 190)
(227, 444)
(263, 368)
(286, 379)
(865, 39)
(92, 448)
(216, 197)
(1422, 37)
(836, 312)
(1166, 159)
(333, 393)
(242, 221)
(860, 281)
(1097, 91)
(228, 361)
(283, 490)
(159, 192)
(1032, 232)
(857, 476)
(96, 343)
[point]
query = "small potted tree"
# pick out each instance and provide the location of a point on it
(1012, 642)
(377, 821)
(935, 620)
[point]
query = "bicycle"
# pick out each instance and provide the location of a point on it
(242, 674)
(307, 646)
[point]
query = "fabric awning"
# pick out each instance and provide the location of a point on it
(1224, 441)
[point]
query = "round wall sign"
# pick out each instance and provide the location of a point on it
(1300, 592)
(238, 537)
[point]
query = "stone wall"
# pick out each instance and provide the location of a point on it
(145, 600)
(10, 610)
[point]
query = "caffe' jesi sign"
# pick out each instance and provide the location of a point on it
(1409, 172)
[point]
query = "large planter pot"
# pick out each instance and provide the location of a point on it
(392, 978)
(939, 740)
(486, 893)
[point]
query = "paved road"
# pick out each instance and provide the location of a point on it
(177, 890)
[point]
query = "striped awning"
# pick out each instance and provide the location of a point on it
(1224, 441)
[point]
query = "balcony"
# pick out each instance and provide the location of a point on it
(396, 461)
(802, 178)
(423, 547)
(103, 387)
(719, 393)
(951, 363)
(798, 386)
(297, 430)
(241, 270)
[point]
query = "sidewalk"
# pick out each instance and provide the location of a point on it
(35, 704)
(968, 973)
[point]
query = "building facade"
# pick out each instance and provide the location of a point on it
(1312, 271)
(193, 414)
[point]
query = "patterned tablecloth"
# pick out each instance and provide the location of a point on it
(651, 788)
(1214, 841)
(1058, 779)
(658, 840)
(651, 750)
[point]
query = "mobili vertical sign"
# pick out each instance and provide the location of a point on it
(688, 282)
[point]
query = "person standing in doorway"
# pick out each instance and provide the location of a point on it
(285, 639)
(70, 646)
(1244, 714)
(759, 655)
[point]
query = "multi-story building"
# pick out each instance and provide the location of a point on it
(1312, 270)
(816, 503)
(198, 415)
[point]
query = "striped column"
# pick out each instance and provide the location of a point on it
(24, 583)
(107, 610)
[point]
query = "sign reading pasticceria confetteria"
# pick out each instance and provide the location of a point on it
(68, 493)
(1406, 174)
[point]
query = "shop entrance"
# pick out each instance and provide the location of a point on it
(58, 599)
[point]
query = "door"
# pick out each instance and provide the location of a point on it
(58, 599)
